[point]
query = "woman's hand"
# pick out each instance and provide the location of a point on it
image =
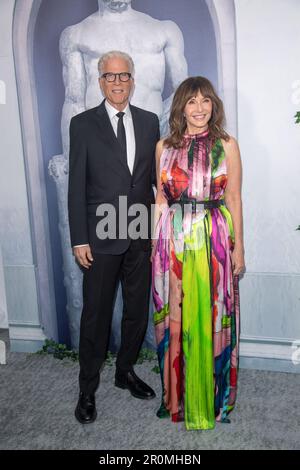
(238, 260)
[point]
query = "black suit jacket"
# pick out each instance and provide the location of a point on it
(98, 173)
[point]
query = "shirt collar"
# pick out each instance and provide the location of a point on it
(111, 111)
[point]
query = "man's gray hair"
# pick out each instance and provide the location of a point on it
(112, 55)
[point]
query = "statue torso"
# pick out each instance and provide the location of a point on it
(140, 36)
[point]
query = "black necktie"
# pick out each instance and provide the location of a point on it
(121, 135)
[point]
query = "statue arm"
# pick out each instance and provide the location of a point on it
(74, 81)
(174, 53)
(176, 66)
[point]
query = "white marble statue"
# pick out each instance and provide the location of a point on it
(155, 46)
(157, 49)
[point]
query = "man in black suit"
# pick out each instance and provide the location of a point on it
(112, 154)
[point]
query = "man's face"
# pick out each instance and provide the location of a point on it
(116, 5)
(117, 93)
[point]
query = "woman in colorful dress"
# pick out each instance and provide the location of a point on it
(197, 257)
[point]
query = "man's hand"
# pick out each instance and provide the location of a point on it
(83, 255)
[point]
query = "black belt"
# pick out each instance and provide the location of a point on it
(210, 204)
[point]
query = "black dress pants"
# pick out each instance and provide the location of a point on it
(133, 268)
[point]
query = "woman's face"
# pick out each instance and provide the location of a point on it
(198, 111)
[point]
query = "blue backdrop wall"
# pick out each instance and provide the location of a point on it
(193, 18)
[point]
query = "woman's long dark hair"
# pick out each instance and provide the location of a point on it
(188, 89)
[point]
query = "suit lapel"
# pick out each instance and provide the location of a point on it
(108, 134)
(138, 131)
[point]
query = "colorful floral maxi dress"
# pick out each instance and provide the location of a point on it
(196, 295)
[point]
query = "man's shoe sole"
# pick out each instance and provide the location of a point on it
(123, 386)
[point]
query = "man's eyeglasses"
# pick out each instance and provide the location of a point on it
(111, 77)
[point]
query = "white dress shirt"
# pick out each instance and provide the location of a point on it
(129, 131)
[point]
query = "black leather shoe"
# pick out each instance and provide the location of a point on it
(85, 411)
(134, 384)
